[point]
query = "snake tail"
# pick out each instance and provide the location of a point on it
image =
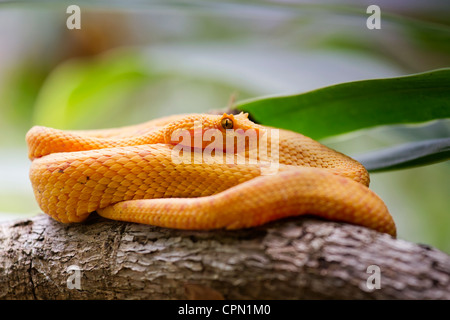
(258, 201)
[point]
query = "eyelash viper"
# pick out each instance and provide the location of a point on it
(128, 174)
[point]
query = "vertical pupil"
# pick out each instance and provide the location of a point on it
(227, 123)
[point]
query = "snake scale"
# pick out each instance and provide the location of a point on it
(129, 174)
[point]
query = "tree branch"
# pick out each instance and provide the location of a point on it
(298, 258)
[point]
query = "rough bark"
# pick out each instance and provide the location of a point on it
(299, 258)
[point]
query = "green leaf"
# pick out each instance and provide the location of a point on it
(356, 105)
(407, 155)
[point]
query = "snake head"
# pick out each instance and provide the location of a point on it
(237, 122)
(227, 132)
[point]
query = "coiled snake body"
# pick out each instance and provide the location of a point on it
(128, 174)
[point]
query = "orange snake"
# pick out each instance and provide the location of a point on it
(128, 173)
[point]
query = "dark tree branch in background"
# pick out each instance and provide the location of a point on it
(299, 258)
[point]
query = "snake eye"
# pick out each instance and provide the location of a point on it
(227, 123)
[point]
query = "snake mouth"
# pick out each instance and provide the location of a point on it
(228, 141)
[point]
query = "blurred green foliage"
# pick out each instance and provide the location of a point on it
(88, 92)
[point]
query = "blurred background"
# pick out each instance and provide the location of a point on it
(136, 60)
